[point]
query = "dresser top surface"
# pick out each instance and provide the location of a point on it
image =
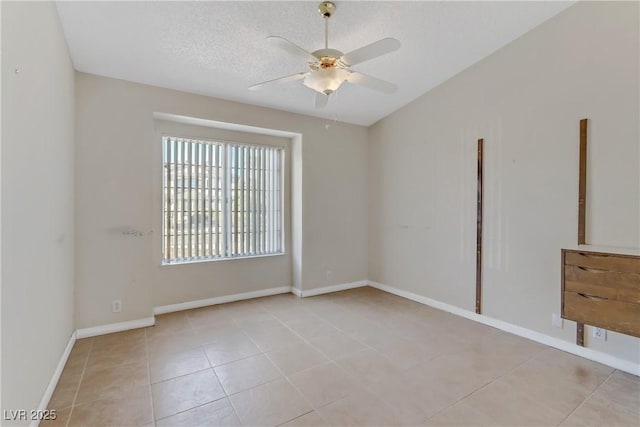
(604, 249)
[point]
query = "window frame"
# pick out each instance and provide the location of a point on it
(226, 190)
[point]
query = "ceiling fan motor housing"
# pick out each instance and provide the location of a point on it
(327, 57)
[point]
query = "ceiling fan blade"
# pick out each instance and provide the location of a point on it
(284, 79)
(371, 82)
(292, 48)
(370, 51)
(321, 100)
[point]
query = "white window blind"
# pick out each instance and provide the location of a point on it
(221, 200)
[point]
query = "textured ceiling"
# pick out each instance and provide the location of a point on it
(219, 48)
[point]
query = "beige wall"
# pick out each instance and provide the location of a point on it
(225, 276)
(117, 187)
(37, 200)
(526, 101)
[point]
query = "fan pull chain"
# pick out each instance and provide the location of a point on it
(328, 124)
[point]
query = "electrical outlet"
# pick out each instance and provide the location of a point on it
(556, 320)
(600, 334)
(116, 306)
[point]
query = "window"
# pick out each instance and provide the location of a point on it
(221, 200)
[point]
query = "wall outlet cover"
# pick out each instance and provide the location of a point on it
(557, 320)
(600, 334)
(116, 306)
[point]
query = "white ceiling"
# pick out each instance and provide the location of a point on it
(219, 48)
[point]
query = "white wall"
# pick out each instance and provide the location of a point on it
(117, 160)
(526, 101)
(37, 200)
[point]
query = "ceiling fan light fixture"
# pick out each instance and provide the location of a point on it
(326, 80)
(329, 68)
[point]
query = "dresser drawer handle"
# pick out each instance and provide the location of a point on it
(592, 298)
(594, 256)
(591, 270)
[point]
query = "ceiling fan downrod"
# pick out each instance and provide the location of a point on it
(326, 9)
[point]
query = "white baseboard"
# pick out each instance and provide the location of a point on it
(220, 300)
(46, 397)
(587, 353)
(256, 294)
(329, 289)
(115, 327)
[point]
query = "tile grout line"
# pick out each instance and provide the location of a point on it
(299, 416)
(285, 376)
(226, 395)
(587, 397)
(288, 380)
(181, 376)
(331, 361)
(201, 347)
(85, 368)
(75, 396)
(146, 350)
(532, 356)
(330, 324)
(310, 344)
(195, 407)
(355, 379)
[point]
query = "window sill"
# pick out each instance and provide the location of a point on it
(205, 260)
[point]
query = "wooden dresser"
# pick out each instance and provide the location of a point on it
(601, 287)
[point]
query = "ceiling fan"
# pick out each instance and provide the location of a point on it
(329, 68)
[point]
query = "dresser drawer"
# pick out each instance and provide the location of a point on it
(614, 285)
(619, 316)
(601, 261)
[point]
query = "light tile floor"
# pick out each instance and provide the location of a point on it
(358, 357)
